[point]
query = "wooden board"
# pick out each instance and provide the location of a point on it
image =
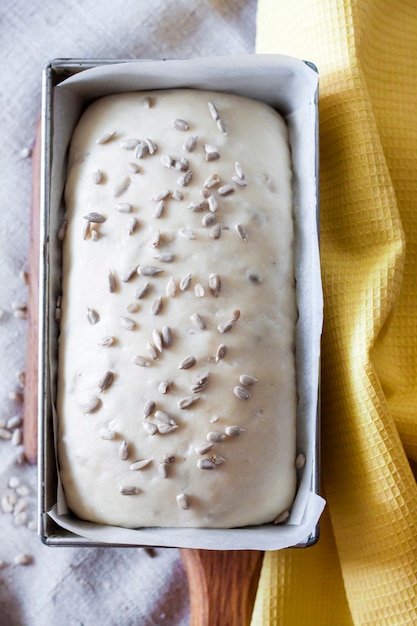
(222, 584)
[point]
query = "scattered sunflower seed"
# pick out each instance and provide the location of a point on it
(213, 205)
(133, 167)
(141, 361)
(197, 207)
(215, 436)
(150, 427)
(222, 126)
(17, 437)
(124, 207)
(163, 470)
(300, 461)
(164, 257)
(129, 490)
(111, 281)
(121, 187)
(149, 270)
(106, 381)
(166, 160)
(128, 274)
(97, 177)
(132, 307)
(106, 137)
(140, 465)
(14, 422)
(95, 218)
(155, 239)
(199, 290)
(198, 321)
(142, 291)
(206, 464)
(86, 229)
(157, 339)
(156, 306)
(242, 231)
(149, 408)
(152, 147)
(177, 195)
(164, 429)
(247, 380)
(106, 341)
(185, 179)
(212, 181)
(218, 459)
(90, 405)
(213, 111)
(107, 433)
(123, 450)
(241, 392)
(203, 448)
(208, 219)
(224, 327)
(234, 431)
(161, 195)
(5, 434)
(129, 144)
(214, 282)
(180, 124)
(185, 282)
(211, 152)
(187, 401)
(159, 209)
(166, 335)
(141, 150)
(215, 231)
(131, 225)
(221, 352)
(187, 362)
(171, 288)
(92, 316)
(241, 182)
(164, 386)
(152, 351)
(190, 143)
(183, 501)
(186, 233)
(225, 190)
(128, 323)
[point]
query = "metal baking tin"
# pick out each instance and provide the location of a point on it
(49, 531)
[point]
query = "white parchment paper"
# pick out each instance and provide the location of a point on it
(290, 86)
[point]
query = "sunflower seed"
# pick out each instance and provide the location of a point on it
(131, 225)
(208, 219)
(157, 339)
(141, 150)
(203, 448)
(156, 306)
(128, 274)
(222, 126)
(130, 490)
(166, 160)
(150, 428)
(215, 231)
(164, 386)
(128, 323)
(282, 517)
(106, 381)
(142, 291)
(242, 182)
(141, 361)
(161, 195)
(106, 341)
(95, 218)
(213, 205)
(242, 231)
(140, 465)
(225, 190)
(183, 501)
(133, 167)
(17, 437)
(164, 257)
(149, 270)
(177, 195)
(221, 352)
(215, 436)
(218, 459)
(164, 418)
(124, 207)
(205, 193)
(197, 207)
(164, 429)
(190, 143)
(199, 290)
(171, 288)
(185, 179)
(14, 422)
(186, 233)
(199, 387)
(212, 181)
(132, 307)
(224, 327)
(201, 377)
(106, 137)
(205, 464)
(187, 362)
(152, 147)
(300, 461)
(149, 408)
(123, 450)
(211, 152)
(92, 316)
(158, 210)
(198, 321)
(97, 177)
(187, 401)
(107, 433)
(166, 335)
(184, 164)
(247, 380)
(5, 434)
(185, 282)
(233, 431)
(111, 281)
(152, 351)
(214, 282)
(180, 124)
(213, 111)
(129, 144)
(241, 392)
(121, 187)
(163, 470)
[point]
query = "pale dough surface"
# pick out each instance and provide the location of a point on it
(254, 477)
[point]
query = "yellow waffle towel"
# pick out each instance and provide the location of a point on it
(363, 570)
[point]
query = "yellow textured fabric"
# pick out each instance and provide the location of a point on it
(364, 568)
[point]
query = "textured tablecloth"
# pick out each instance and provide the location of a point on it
(78, 586)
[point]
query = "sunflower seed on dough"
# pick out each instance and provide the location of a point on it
(197, 207)
(213, 205)
(226, 189)
(199, 290)
(90, 405)
(211, 181)
(106, 341)
(198, 321)
(215, 231)
(247, 380)
(141, 291)
(215, 436)
(203, 448)
(185, 282)
(242, 392)
(161, 195)
(214, 282)
(156, 306)
(282, 517)
(211, 152)
(241, 182)
(152, 147)
(124, 207)
(166, 160)
(149, 270)
(107, 433)
(218, 459)
(242, 231)
(97, 177)
(190, 143)
(141, 150)
(131, 225)
(157, 339)
(166, 335)
(213, 111)
(94, 217)
(130, 490)
(92, 316)
(222, 126)
(185, 179)
(128, 274)
(180, 124)
(183, 501)
(128, 323)
(123, 450)
(163, 470)
(187, 363)
(300, 461)
(141, 361)
(205, 464)
(129, 144)
(149, 408)
(133, 167)
(183, 164)
(234, 431)
(106, 381)
(164, 386)
(132, 307)
(164, 418)
(152, 351)
(224, 327)
(111, 281)
(187, 401)
(201, 377)
(140, 464)
(187, 233)
(86, 229)
(121, 187)
(221, 352)
(208, 219)
(177, 195)
(150, 427)
(164, 429)
(164, 257)
(5, 434)
(199, 387)
(159, 209)
(171, 288)
(106, 137)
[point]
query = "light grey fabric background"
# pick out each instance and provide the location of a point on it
(78, 586)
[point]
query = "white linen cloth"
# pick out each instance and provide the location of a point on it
(78, 586)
